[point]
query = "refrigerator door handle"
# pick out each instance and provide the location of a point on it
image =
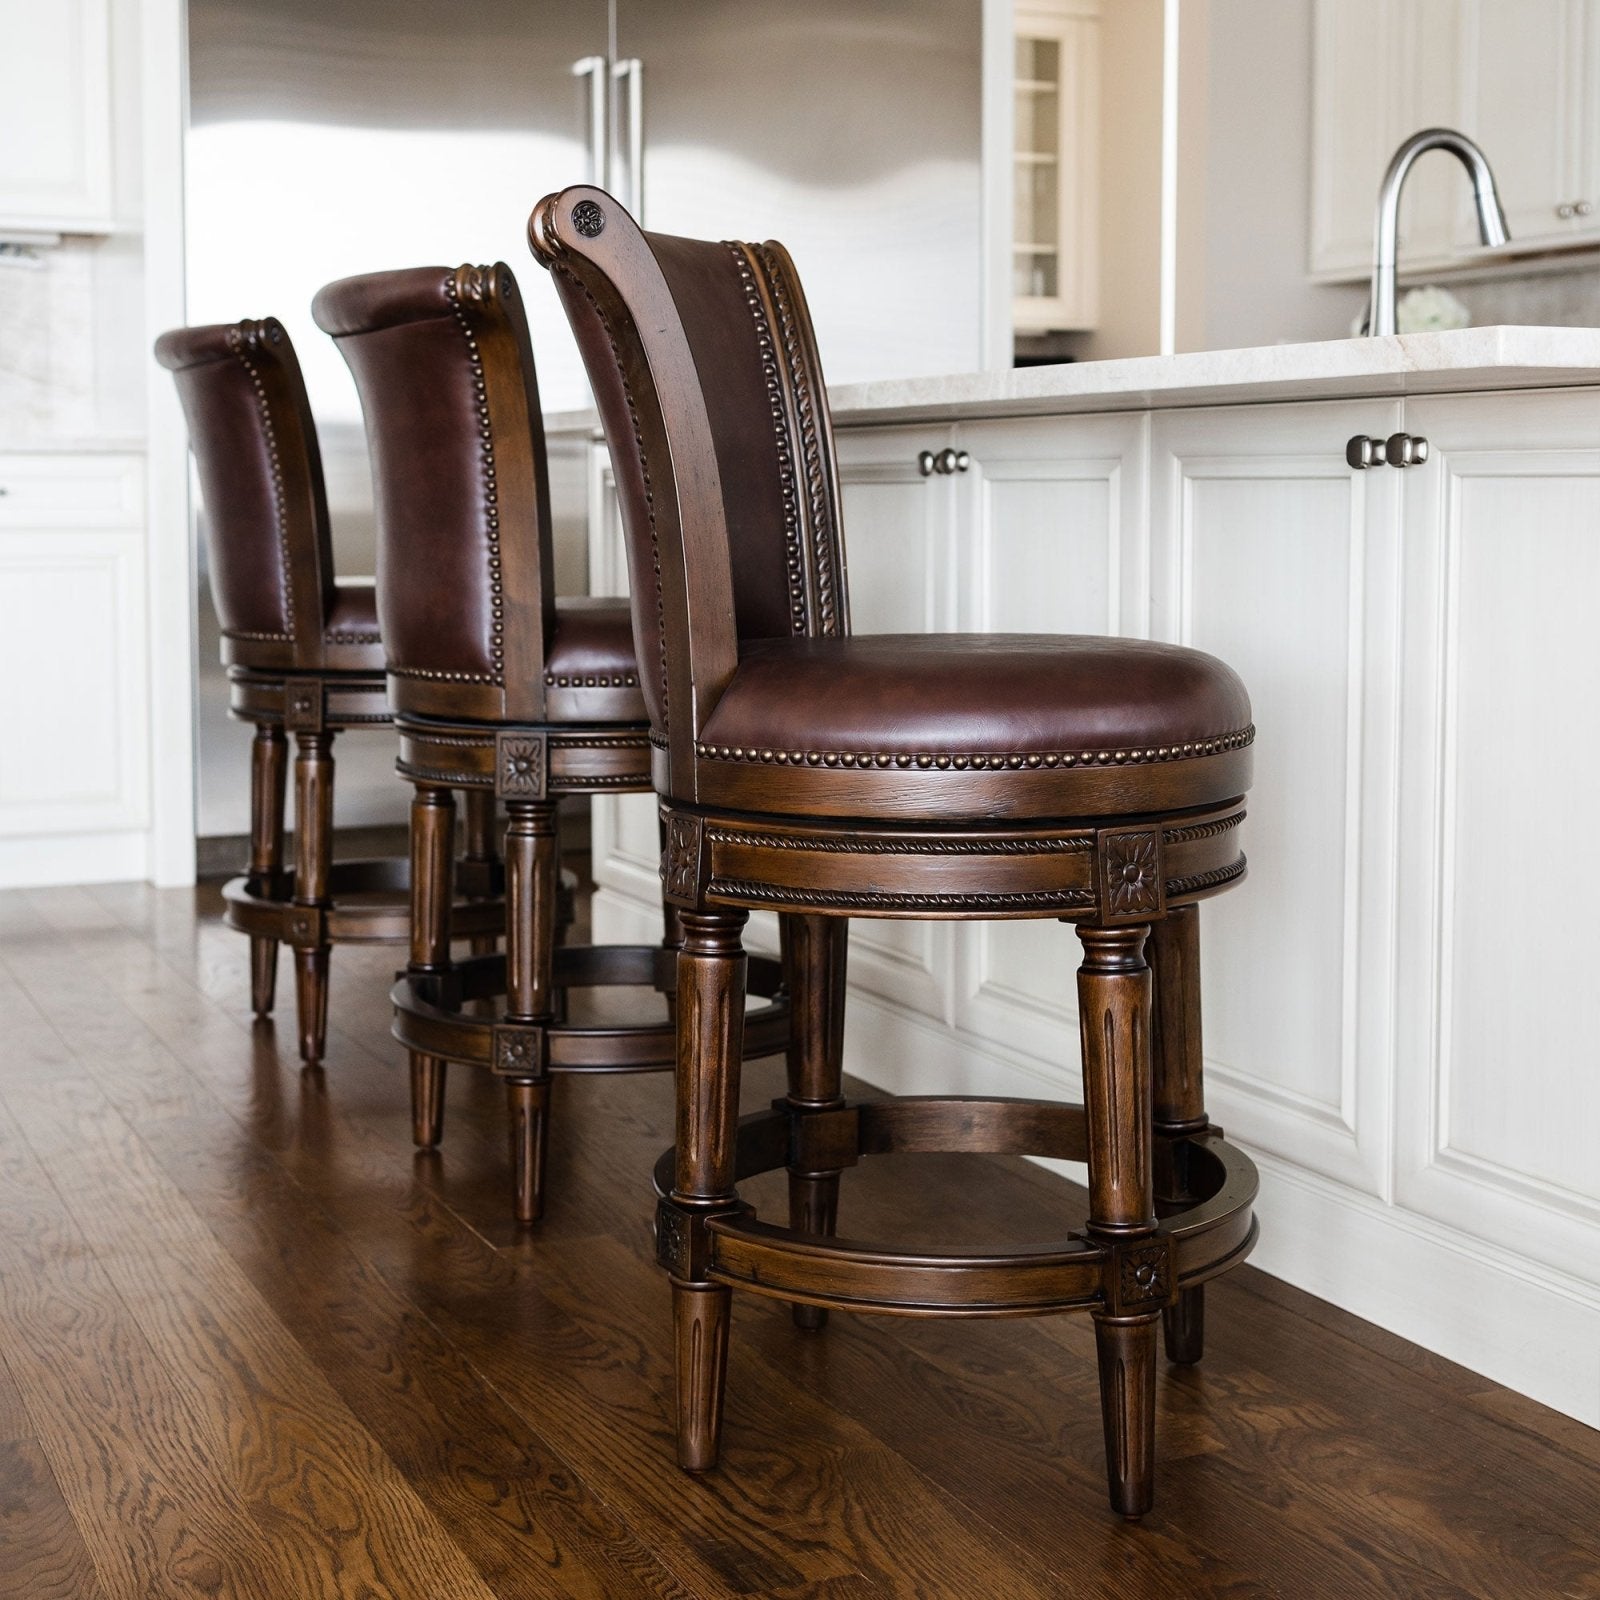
(594, 69)
(630, 72)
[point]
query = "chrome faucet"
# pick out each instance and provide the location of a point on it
(1491, 218)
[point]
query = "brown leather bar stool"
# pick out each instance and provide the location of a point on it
(1099, 781)
(499, 687)
(304, 656)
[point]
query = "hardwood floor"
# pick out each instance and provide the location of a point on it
(251, 1344)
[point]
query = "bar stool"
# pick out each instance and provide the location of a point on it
(304, 656)
(499, 687)
(1098, 781)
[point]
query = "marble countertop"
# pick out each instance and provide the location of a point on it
(1464, 360)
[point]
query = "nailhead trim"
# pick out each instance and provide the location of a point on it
(601, 680)
(793, 553)
(980, 761)
(478, 287)
(352, 638)
(741, 889)
(1066, 844)
(441, 677)
(239, 340)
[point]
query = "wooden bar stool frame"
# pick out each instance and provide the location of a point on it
(810, 833)
(520, 722)
(304, 669)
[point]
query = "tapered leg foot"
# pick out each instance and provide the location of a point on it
(700, 1314)
(1127, 1351)
(263, 974)
(529, 1104)
(311, 998)
(1185, 1327)
(427, 1099)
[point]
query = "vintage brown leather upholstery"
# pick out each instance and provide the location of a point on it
(1049, 706)
(470, 617)
(266, 511)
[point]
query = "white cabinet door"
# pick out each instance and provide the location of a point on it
(55, 109)
(1052, 536)
(1526, 70)
(1274, 555)
(900, 556)
(74, 721)
(1500, 1010)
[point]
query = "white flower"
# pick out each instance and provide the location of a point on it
(1430, 309)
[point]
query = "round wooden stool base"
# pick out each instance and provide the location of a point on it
(430, 1018)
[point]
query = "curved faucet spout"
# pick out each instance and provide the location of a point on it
(1492, 227)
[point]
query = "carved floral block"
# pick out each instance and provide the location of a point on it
(680, 865)
(1131, 888)
(519, 767)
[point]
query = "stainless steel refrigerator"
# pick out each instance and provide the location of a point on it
(336, 136)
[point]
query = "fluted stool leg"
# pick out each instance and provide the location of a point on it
(711, 990)
(433, 813)
(313, 858)
(532, 886)
(1177, 1072)
(1114, 1017)
(814, 956)
(269, 771)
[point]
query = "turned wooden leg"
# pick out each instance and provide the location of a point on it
(1114, 1013)
(1177, 1074)
(433, 814)
(814, 954)
(269, 770)
(532, 885)
(313, 857)
(711, 989)
(478, 847)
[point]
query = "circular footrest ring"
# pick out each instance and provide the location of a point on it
(1198, 1237)
(429, 1014)
(263, 905)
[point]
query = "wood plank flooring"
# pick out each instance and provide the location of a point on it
(253, 1345)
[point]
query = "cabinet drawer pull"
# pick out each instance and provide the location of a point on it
(1566, 210)
(1362, 452)
(925, 463)
(953, 461)
(1405, 450)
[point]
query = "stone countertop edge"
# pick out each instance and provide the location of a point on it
(1463, 360)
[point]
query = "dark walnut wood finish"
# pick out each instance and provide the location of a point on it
(304, 657)
(500, 689)
(823, 776)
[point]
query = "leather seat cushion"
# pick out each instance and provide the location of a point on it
(351, 637)
(591, 653)
(962, 695)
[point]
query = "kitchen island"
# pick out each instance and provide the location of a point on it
(1401, 1021)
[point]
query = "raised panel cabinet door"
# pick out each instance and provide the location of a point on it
(1272, 553)
(900, 556)
(1052, 533)
(1527, 83)
(1500, 1011)
(55, 117)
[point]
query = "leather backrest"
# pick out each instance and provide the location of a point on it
(704, 367)
(266, 511)
(443, 364)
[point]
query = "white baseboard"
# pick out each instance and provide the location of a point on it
(1525, 1326)
(74, 858)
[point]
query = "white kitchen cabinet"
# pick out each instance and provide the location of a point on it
(1273, 554)
(1499, 1010)
(55, 118)
(1382, 69)
(1056, 163)
(1521, 77)
(74, 722)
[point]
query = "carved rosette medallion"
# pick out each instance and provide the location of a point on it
(519, 1050)
(1131, 883)
(680, 861)
(1142, 1276)
(519, 767)
(588, 219)
(672, 1239)
(302, 708)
